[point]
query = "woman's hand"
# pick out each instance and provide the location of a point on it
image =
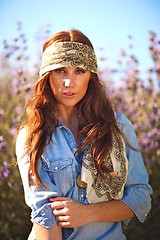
(68, 212)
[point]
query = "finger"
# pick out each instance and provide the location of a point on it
(57, 205)
(59, 199)
(64, 224)
(62, 218)
(58, 212)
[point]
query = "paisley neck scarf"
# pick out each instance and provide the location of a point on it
(101, 189)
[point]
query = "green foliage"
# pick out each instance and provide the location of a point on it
(137, 97)
(14, 224)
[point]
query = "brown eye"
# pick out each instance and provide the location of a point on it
(80, 71)
(59, 70)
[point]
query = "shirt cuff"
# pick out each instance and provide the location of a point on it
(140, 204)
(44, 216)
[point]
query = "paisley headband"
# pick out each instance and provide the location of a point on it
(67, 54)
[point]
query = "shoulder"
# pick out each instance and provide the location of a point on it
(21, 136)
(122, 119)
(124, 123)
(127, 128)
(20, 142)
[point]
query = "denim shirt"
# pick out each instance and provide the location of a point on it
(58, 169)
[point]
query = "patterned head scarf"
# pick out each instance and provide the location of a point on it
(67, 54)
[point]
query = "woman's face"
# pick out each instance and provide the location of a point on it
(69, 85)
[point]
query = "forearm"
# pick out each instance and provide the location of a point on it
(70, 213)
(111, 211)
(54, 233)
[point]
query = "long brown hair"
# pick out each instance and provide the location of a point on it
(97, 119)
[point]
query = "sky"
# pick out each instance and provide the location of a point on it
(107, 23)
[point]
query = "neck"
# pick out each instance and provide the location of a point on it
(69, 117)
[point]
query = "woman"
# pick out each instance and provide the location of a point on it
(78, 159)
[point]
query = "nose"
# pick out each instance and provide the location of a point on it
(66, 82)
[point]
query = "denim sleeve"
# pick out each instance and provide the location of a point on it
(37, 198)
(137, 192)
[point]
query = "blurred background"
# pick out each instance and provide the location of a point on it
(126, 38)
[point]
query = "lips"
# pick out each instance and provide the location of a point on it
(69, 94)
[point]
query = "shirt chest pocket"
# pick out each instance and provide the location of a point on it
(60, 171)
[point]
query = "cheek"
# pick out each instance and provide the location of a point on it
(85, 85)
(55, 87)
(84, 88)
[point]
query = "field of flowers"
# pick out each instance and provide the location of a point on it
(135, 94)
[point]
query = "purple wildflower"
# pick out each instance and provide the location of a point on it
(3, 145)
(5, 171)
